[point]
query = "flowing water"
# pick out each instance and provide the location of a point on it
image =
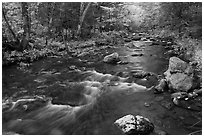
(88, 100)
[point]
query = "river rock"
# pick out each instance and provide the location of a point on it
(161, 87)
(179, 75)
(143, 39)
(127, 39)
(141, 74)
(179, 95)
(137, 54)
(136, 38)
(135, 125)
(72, 67)
(123, 62)
(191, 104)
(112, 58)
(155, 42)
(149, 43)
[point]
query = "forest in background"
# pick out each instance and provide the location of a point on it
(37, 27)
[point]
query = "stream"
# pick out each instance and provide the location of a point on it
(82, 101)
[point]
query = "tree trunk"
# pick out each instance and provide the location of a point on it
(82, 16)
(64, 38)
(9, 26)
(49, 30)
(26, 25)
(50, 20)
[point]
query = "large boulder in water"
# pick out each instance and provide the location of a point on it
(135, 125)
(179, 75)
(112, 58)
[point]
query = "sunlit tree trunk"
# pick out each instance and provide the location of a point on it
(82, 16)
(50, 20)
(9, 26)
(26, 25)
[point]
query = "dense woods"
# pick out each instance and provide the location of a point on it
(76, 67)
(35, 25)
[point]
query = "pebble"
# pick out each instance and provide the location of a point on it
(40, 80)
(72, 67)
(42, 86)
(146, 104)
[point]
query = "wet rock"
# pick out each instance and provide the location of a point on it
(149, 43)
(24, 65)
(191, 104)
(48, 72)
(187, 100)
(161, 87)
(122, 74)
(179, 95)
(179, 75)
(127, 39)
(129, 45)
(101, 42)
(42, 86)
(83, 54)
(135, 125)
(143, 39)
(169, 43)
(180, 82)
(197, 91)
(40, 80)
(138, 45)
(178, 65)
(163, 43)
(137, 54)
(142, 34)
(147, 104)
(156, 42)
(141, 74)
(152, 39)
(171, 52)
(112, 58)
(123, 62)
(136, 38)
(194, 63)
(72, 67)
(136, 50)
(134, 44)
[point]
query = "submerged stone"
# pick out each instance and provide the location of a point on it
(166, 104)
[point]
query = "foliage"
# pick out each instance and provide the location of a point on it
(54, 22)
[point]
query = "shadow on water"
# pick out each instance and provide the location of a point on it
(88, 102)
